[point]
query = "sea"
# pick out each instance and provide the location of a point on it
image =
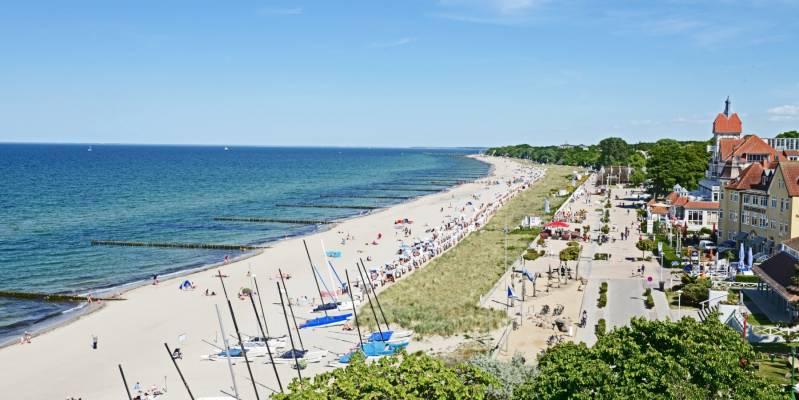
(56, 198)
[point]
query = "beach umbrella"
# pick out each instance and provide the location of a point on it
(741, 255)
(557, 224)
(749, 264)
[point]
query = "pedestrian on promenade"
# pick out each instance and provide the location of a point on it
(94, 342)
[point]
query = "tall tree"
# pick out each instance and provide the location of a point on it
(789, 134)
(652, 360)
(613, 151)
(671, 162)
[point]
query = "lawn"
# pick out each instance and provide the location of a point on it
(442, 298)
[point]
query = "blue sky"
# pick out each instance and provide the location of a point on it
(393, 73)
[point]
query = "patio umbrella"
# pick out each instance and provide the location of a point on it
(750, 259)
(557, 224)
(741, 255)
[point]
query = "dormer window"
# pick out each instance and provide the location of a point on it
(756, 157)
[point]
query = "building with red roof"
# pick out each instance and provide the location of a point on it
(759, 206)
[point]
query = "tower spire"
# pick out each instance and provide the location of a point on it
(727, 107)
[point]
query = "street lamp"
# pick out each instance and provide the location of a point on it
(679, 305)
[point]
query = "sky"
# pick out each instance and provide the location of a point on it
(394, 73)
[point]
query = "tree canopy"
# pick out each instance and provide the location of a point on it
(687, 359)
(671, 162)
(652, 359)
(613, 151)
(788, 134)
(404, 376)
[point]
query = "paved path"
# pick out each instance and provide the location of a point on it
(625, 286)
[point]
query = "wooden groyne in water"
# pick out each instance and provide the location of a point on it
(328, 206)
(208, 246)
(277, 220)
(49, 296)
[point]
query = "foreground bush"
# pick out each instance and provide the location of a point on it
(405, 376)
(652, 360)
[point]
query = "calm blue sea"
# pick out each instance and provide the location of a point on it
(54, 199)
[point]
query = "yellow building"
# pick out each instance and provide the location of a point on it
(760, 207)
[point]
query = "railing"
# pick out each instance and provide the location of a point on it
(703, 304)
(734, 285)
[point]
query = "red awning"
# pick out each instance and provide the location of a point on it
(557, 224)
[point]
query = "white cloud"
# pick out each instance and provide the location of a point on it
(280, 11)
(785, 112)
(393, 43)
(498, 12)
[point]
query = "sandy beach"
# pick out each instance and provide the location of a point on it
(62, 364)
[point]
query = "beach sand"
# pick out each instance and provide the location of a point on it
(61, 363)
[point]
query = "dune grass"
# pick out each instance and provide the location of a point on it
(442, 298)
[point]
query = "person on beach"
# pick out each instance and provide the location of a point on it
(155, 279)
(94, 342)
(26, 338)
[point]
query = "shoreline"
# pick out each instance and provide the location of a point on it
(73, 314)
(133, 332)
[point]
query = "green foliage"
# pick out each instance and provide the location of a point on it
(695, 290)
(509, 374)
(603, 295)
(788, 135)
(638, 177)
(541, 242)
(570, 253)
(532, 254)
(467, 271)
(646, 245)
(608, 205)
(671, 162)
(601, 256)
(705, 231)
(613, 151)
(549, 154)
(600, 328)
(650, 301)
(747, 278)
(605, 229)
(404, 376)
(652, 360)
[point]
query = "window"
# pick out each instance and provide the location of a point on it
(773, 224)
(734, 197)
(755, 157)
(773, 203)
(745, 217)
(746, 199)
(764, 201)
(695, 216)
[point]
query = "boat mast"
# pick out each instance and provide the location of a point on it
(261, 303)
(377, 300)
(191, 396)
(227, 351)
(368, 285)
(288, 326)
(293, 318)
(241, 342)
(313, 272)
(354, 312)
(266, 341)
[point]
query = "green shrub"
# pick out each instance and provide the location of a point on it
(542, 242)
(601, 256)
(696, 292)
(605, 229)
(646, 245)
(747, 278)
(603, 295)
(600, 328)
(532, 254)
(650, 301)
(570, 253)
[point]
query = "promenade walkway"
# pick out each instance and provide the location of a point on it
(625, 286)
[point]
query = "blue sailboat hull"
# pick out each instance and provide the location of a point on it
(328, 320)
